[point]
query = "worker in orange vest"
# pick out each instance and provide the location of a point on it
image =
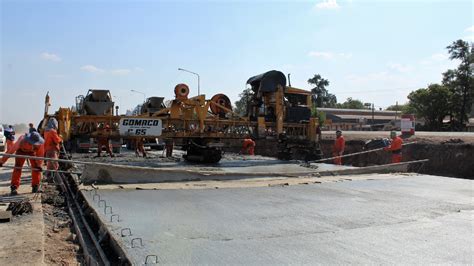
(52, 143)
(338, 148)
(395, 147)
(248, 146)
(30, 144)
(140, 147)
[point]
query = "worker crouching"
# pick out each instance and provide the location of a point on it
(395, 147)
(30, 144)
(248, 146)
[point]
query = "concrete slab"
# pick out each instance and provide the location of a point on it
(243, 183)
(407, 219)
(135, 174)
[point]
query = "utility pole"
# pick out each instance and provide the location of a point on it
(396, 110)
(373, 111)
(144, 95)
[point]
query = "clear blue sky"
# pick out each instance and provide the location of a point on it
(375, 51)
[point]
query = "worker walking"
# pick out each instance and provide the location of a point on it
(10, 136)
(140, 147)
(103, 140)
(248, 146)
(338, 148)
(30, 144)
(52, 143)
(395, 147)
(169, 145)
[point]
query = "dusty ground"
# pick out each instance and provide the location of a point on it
(22, 239)
(39, 238)
(61, 248)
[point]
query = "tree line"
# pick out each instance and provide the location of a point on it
(452, 99)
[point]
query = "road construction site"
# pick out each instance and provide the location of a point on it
(208, 199)
(243, 210)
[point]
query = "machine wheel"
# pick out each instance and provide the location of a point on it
(199, 153)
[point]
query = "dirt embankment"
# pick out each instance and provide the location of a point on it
(447, 157)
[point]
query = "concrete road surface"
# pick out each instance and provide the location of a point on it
(405, 220)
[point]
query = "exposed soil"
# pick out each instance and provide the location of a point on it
(448, 155)
(61, 247)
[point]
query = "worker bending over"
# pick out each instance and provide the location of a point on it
(30, 144)
(52, 143)
(248, 146)
(338, 148)
(103, 140)
(395, 147)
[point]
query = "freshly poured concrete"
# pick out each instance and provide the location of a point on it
(407, 219)
(123, 174)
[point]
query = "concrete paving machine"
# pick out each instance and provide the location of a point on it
(200, 125)
(81, 125)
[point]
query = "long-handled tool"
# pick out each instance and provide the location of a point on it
(44, 170)
(50, 159)
(355, 153)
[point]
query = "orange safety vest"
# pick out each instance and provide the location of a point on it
(52, 140)
(339, 144)
(396, 145)
(23, 146)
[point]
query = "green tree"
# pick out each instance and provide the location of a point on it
(241, 106)
(450, 81)
(432, 104)
(402, 108)
(460, 81)
(319, 114)
(351, 104)
(320, 95)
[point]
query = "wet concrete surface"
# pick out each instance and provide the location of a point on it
(410, 219)
(123, 169)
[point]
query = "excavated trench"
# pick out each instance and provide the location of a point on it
(445, 159)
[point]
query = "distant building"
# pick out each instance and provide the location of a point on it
(360, 119)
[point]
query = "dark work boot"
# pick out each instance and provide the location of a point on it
(35, 189)
(13, 191)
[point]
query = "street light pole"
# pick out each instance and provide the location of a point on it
(144, 95)
(199, 78)
(373, 110)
